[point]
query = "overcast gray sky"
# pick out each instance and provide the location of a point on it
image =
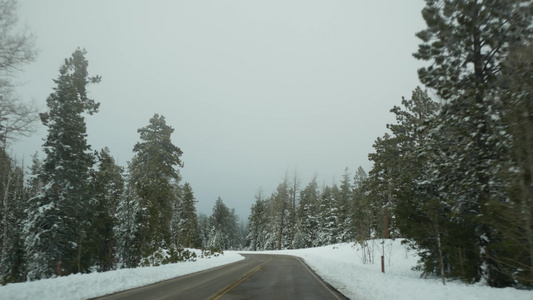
(252, 88)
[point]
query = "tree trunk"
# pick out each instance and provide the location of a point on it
(441, 260)
(293, 213)
(280, 233)
(386, 233)
(5, 203)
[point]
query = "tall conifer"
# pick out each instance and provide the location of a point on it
(58, 218)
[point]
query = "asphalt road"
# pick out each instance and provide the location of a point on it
(258, 276)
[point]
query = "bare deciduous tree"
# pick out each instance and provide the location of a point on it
(16, 50)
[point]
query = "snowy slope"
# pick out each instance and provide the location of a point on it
(340, 265)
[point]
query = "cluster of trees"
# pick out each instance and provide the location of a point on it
(78, 211)
(299, 218)
(454, 176)
(455, 171)
(221, 230)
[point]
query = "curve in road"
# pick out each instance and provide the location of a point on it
(258, 276)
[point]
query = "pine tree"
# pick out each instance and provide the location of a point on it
(223, 228)
(419, 212)
(58, 218)
(203, 229)
(328, 232)
(362, 217)
(12, 206)
(380, 184)
(185, 219)
(466, 42)
(281, 217)
(514, 217)
(258, 222)
(128, 248)
(345, 202)
(293, 205)
(108, 188)
(154, 173)
(307, 228)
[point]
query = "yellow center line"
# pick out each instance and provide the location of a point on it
(229, 288)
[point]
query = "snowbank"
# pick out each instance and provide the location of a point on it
(340, 265)
(83, 286)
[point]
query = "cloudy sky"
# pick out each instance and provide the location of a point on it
(253, 89)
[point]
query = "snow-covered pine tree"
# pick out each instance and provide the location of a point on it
(12, 214)
(419, 212)
(108, 189)
(185, 219)
(58, 221)
(345, 202)
(281, 215)
(203, 229)
(380, 184)
(308, 222)
(153, 174)
(224, 228)
(293, 204)
(362, 216)
(465, 43)
(514, 217)
(328, 232)
(128, 251)
(257, 222)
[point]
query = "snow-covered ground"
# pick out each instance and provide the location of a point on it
(341, 265)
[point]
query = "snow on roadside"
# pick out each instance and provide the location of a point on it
(83, 286)
(341, 266)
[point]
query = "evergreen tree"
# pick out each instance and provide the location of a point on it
(224, 228)
(12, 205)
(466, 42)
(203, 229)
(328, 217)
(514, 216)
(258, 222)
(128, 251)
(281, 217)
(361, 209)
(415, 190)
(345, 202)
(108, 188)
(58, 217)
(293, 206)
(380, 184)
(185, 219)
(154, 173)
(308, 220)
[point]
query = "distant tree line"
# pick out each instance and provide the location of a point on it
(292, 217)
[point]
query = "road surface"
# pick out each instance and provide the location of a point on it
(258, 276)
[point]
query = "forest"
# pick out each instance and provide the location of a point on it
(452, 176)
